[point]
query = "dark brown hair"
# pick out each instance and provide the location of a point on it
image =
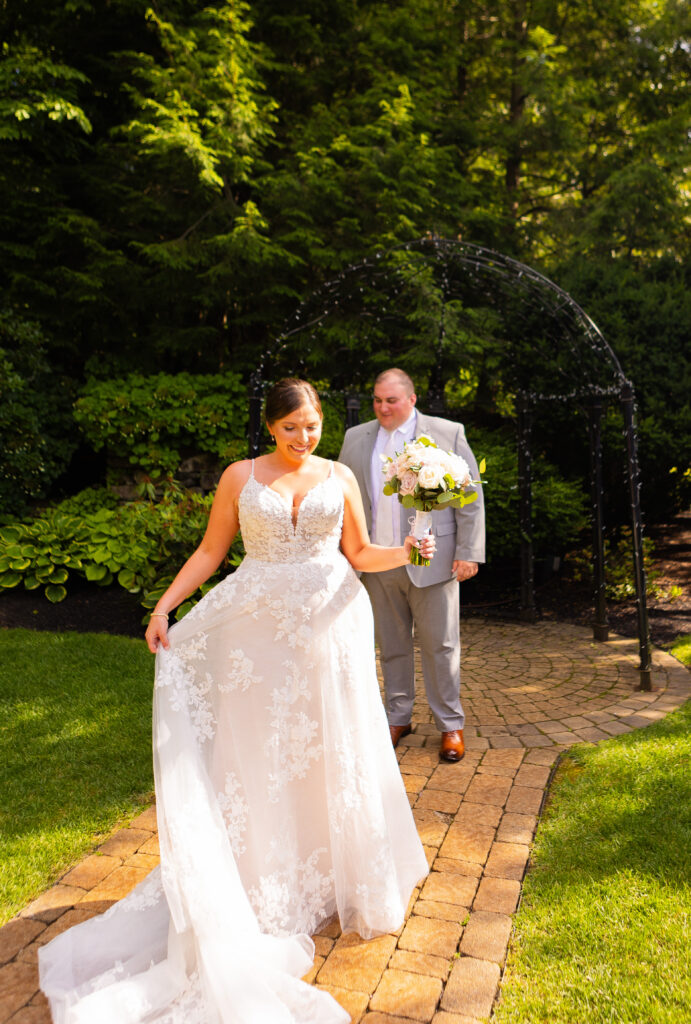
(287, 395)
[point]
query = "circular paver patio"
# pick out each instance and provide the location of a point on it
(529, 692)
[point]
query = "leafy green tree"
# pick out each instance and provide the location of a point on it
(130, 139)
(178, 177)
(36, 426)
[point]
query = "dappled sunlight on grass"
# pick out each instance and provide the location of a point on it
(75, 750)
(603, 929)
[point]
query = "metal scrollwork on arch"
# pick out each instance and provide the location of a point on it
(426, 303)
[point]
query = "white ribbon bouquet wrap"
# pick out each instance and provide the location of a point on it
(427, 478)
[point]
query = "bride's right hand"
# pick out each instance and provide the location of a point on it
(157, 633)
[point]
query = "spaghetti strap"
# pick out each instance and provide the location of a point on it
(331, 469)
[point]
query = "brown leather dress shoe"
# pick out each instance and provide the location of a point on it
(452, 746)
(398, 732)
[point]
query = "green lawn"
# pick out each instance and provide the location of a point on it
(75, 750)
(602, 934)
(681, 648)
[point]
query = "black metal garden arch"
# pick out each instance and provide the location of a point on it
(436, 297)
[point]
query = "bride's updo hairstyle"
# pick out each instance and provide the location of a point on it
(287, 395)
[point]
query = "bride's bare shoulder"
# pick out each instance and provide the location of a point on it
(347, 479)
(234, 478)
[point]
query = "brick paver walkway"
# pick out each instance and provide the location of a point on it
(529, 691)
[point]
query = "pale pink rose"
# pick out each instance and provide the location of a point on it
(404, 461)
(408, 482)
(431, 476)
(390, 471)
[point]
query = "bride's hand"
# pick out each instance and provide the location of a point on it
(427, 546)
(157, 632)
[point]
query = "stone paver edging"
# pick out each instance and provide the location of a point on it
(529, 692)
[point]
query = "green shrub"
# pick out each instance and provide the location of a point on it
(41, 553)
(35, 418)
(141, 545)
(152, 423)
(559, 505)
(91, 499)
(620, 582)
(333, 427)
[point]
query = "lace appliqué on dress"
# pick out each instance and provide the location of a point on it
(295, 897)
(241, 673)
(187, 690)
(290, 744)
(235, 811)
(146, 895)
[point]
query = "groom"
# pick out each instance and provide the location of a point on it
(425, 598)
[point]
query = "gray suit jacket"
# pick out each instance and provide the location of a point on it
(460, 533)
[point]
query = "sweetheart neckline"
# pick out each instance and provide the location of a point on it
(284, 502)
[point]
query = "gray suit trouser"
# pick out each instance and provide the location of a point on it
(434, 611)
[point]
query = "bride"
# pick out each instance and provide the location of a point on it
(279, 798)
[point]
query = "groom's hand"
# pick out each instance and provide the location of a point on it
(463, 570)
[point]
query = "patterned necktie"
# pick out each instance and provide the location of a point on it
(384, 532)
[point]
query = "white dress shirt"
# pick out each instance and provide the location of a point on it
(406, 432)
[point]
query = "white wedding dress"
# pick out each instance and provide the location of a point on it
(279, 797)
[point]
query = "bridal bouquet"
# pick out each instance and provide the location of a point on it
(427, 478)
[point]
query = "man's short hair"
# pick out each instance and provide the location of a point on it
(400, 376)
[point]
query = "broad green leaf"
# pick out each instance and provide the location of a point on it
(128, 580)
(55, 593)
(96, 572)
(10, 579)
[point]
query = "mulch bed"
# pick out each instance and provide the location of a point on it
(494, 593)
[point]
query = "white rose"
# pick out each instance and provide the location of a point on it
(458, 468)
(431, 476)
